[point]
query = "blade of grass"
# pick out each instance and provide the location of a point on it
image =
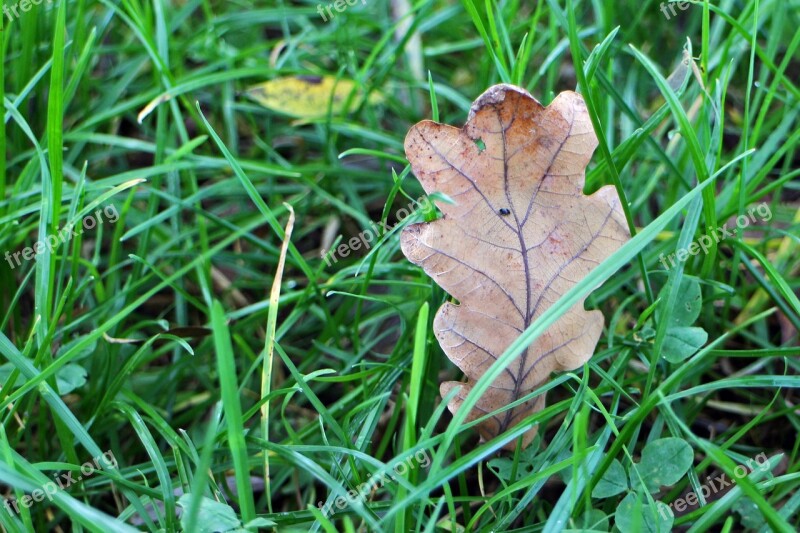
(266, 369)
(226, 366)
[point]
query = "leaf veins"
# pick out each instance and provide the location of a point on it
(519, 234)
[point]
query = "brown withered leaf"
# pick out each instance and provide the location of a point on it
(520, 234)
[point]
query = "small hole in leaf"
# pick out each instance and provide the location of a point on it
(480, 144)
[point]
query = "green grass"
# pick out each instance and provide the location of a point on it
(199, 377)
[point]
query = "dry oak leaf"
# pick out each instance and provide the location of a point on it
(519, 235)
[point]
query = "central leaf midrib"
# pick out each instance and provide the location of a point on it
(526, 269)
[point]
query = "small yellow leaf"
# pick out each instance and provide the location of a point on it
(308, 96)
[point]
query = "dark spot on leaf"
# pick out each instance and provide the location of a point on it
(504, 212)
(316, 80)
